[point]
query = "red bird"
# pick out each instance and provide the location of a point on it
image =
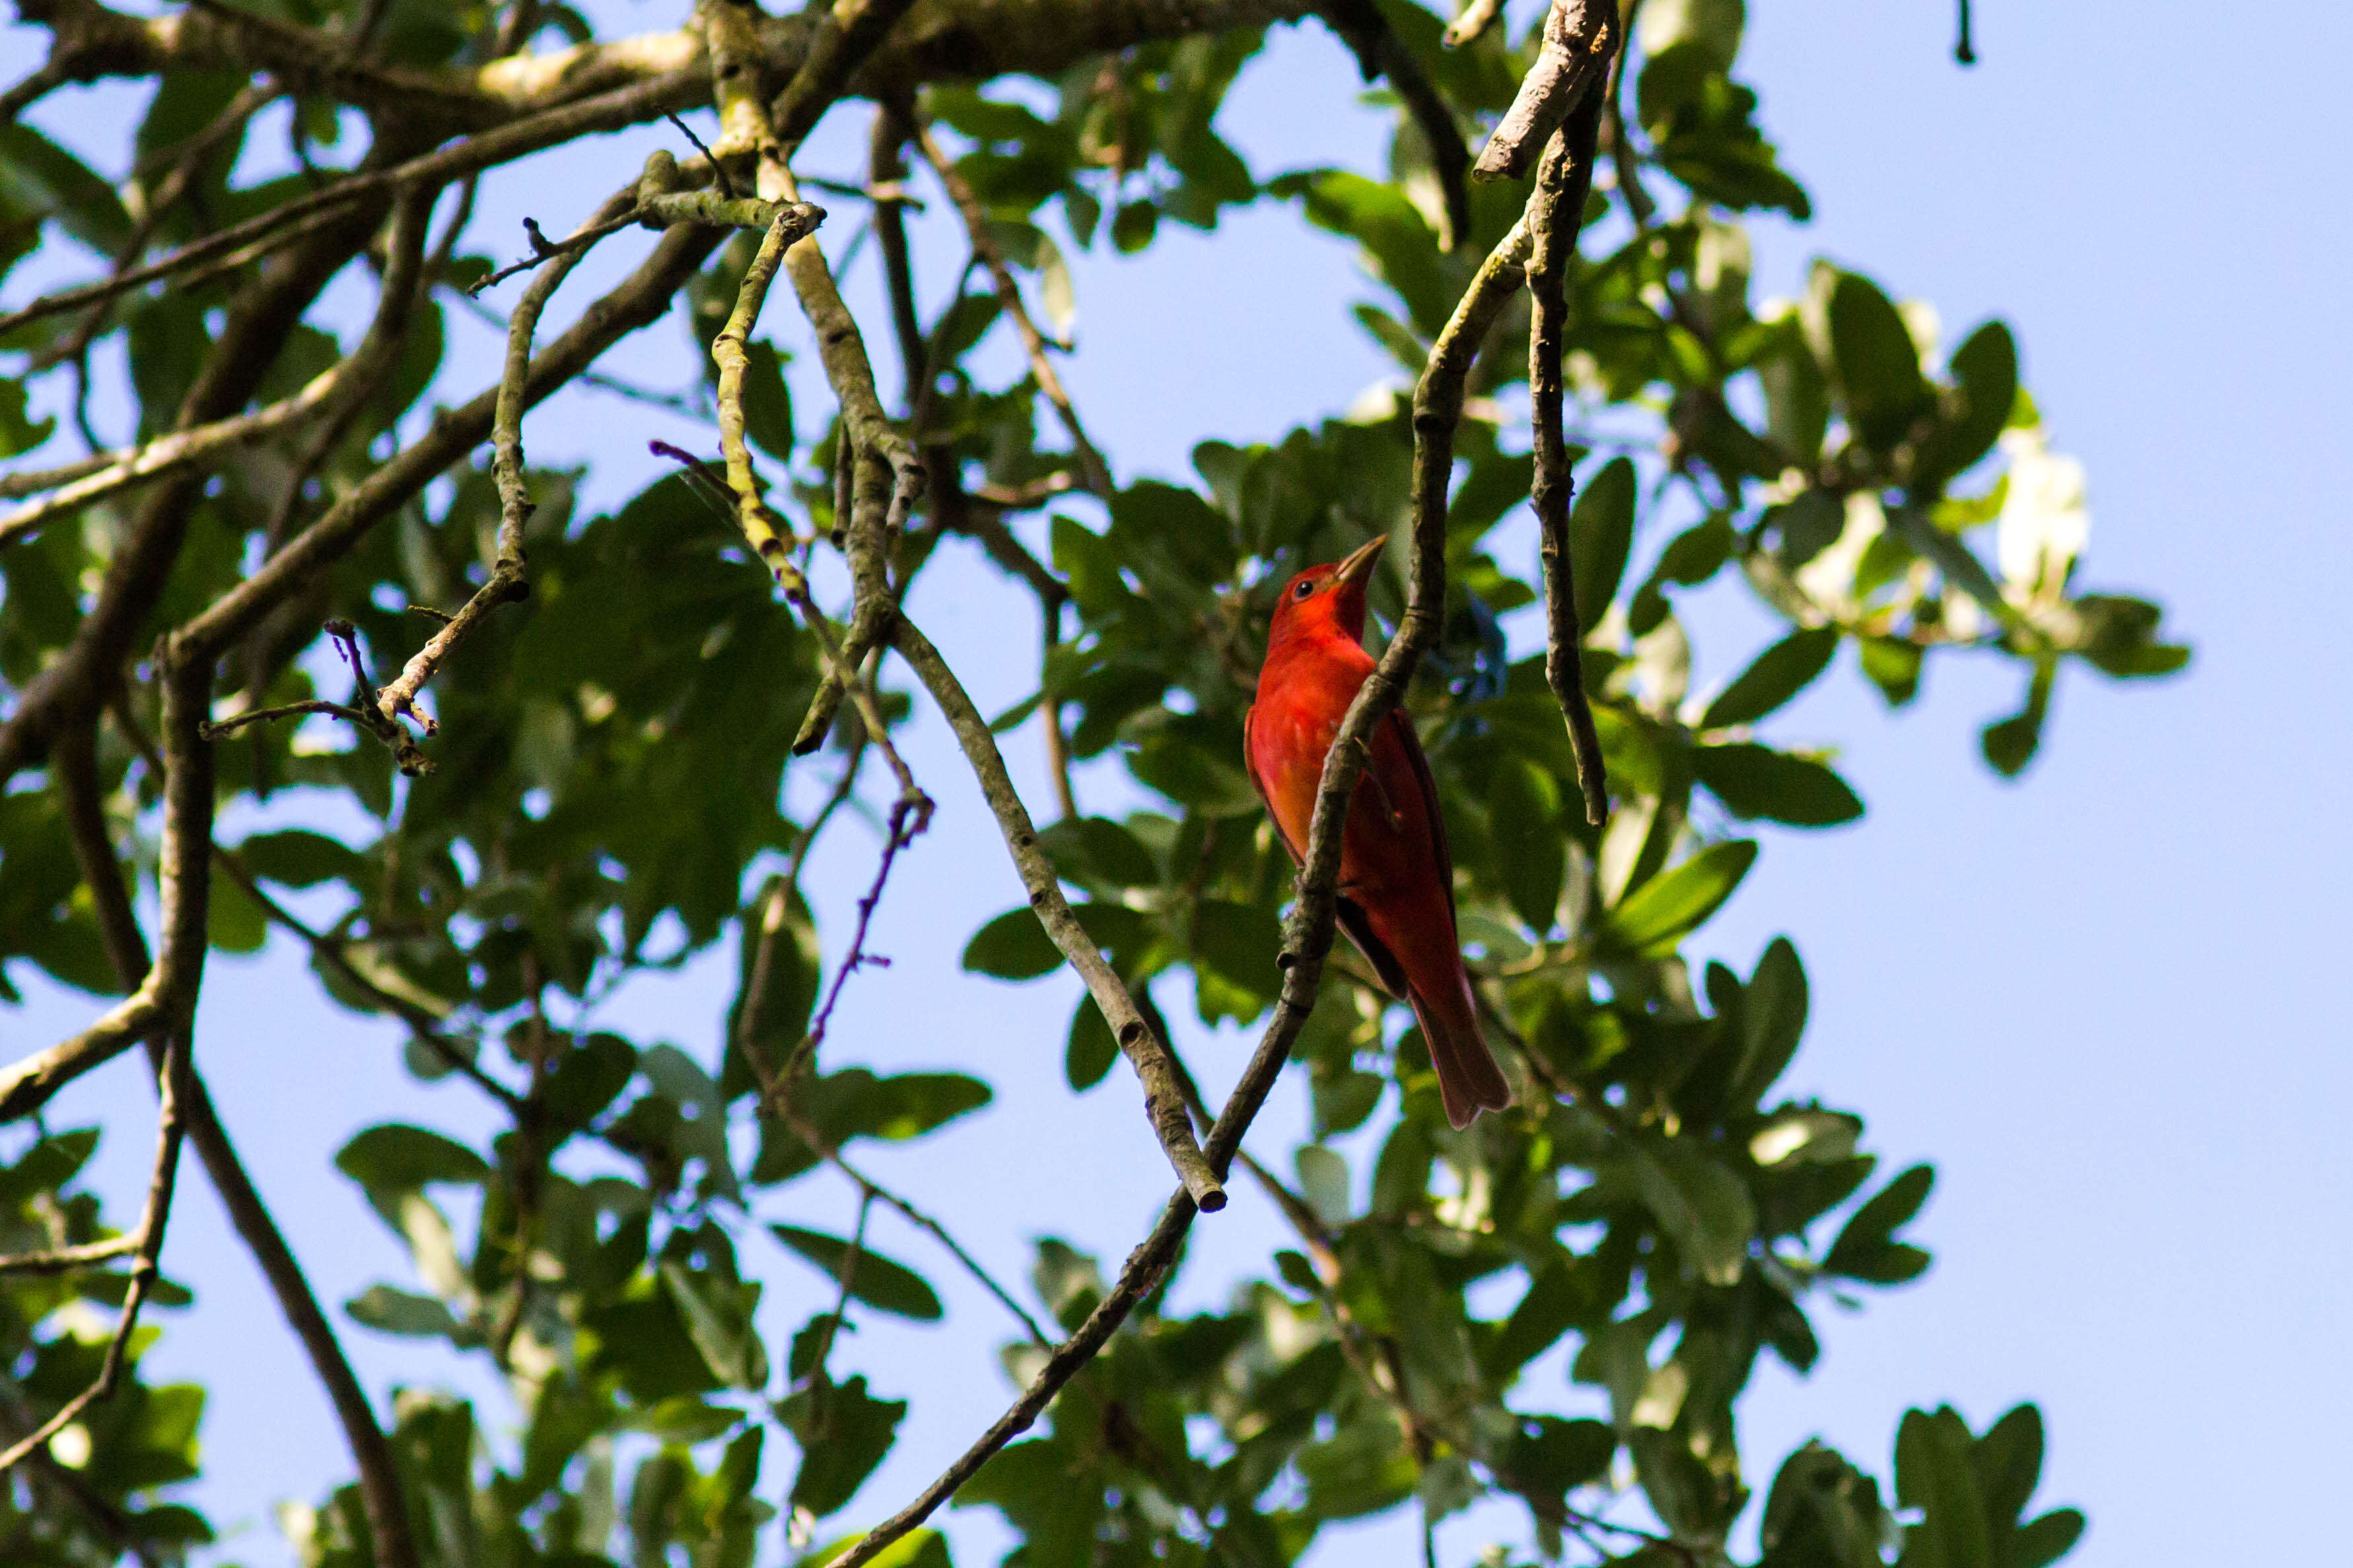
(1397, 879)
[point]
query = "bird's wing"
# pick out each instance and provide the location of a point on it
(1351, 915)
(1249, 767)
(1437, 818)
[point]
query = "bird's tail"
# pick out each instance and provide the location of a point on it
(1469, 1082)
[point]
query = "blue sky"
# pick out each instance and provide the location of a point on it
(2101, 999)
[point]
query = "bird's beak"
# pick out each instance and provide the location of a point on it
(1358, 566)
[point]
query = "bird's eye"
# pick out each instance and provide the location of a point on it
(1302, 591)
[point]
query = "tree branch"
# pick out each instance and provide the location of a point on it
(639, 300)
(1163, 1103)
(507, 582)
(188, 791)
(1579, 36)
(1555, 207)
(149, 1247)
(341, 385)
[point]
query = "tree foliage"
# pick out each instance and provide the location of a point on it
(598, 791)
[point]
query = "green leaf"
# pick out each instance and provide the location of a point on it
(1772, 1018)
(233, 922)
(2010, 744)
(1013, 946)
(297, 858)
(916, 1549)
(717, 1313)
(1805, 528)
(1703, 1207)
(1866, 1249)
(1092, 1049)
(881, 1284)
(2047, 1538)
(1362, 1468)
(1822, 1512)
(1984, 390)
(844, 1433)
(1878, 366)
(1098, 850)
(39, 176)
(1556, 1299)
(395, 1158)
(586, 1079)
(767, 402)
(1656, 915)
(1547, 1458)
(391, 1311)
(1601, 538)
(1531, 853)
(1932, 1474)
(1238, 943)
(1773, 677)
(1324, 1181)
(1755, 780)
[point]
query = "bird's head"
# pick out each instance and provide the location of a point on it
(1329, 599)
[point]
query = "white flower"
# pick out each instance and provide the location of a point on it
(2044, 524)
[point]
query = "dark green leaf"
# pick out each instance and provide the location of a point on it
(844, 1433)
(1862, 1250)
(1878, 366)
(1091, 1048)
(1755, 780)
(1013, 946)
(392, 1158)
(1602, 537)
(881, 1284)
(1775, 676)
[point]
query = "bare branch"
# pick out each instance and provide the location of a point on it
(1555, 208)
(71, 687)
(1579, 36)
(341, 385)
(1164, 1102)
(1475, 18)
(507, 582)
(637, 301)
(148, 1246)
(188, 796)
(163, 999)
(610, 111)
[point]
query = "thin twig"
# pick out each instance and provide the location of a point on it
(257, 236)
(909, 816)
(150, 1246)
(1146, 1052)
(1475, 18)
(1381, 53)
(1554, 207)
(639, 299)
(1622, 151)
(507, 583)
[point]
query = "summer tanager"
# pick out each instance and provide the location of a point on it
(1397, 879)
